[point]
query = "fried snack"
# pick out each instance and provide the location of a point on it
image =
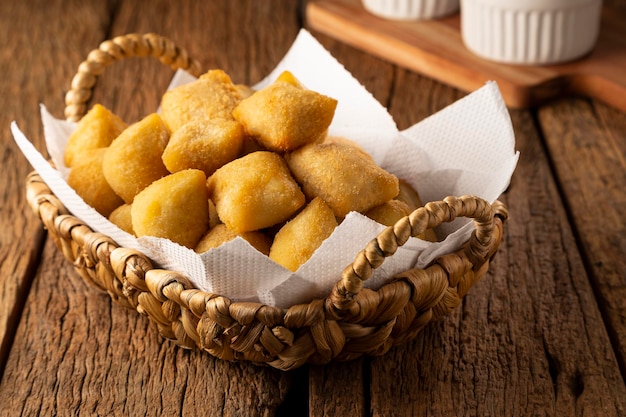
(213, 95)
(203, 144)
(221, 234)
(133, 161)
(214, 219)
(300, 237)
(87, 179)
(346, 180)
(250, 145)
(245, 90)
(174, 207)
(254, 192)
(289, 78)
(388, 213)
(96, 129)
(411, 198)
(345, 141)
(283, 117)
(121, 218)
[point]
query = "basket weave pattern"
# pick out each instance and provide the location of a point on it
(350, 322)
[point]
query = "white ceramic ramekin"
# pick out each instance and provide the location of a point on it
(411, 9)
(533, 32)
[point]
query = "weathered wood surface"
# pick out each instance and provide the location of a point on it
(587, 143)
(542, 334)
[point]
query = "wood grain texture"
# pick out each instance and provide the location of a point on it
(74, 342)
(513, 347)
(587, 144)
(32, 74)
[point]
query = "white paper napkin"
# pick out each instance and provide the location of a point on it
(466, 148)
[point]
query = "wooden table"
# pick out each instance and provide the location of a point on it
(544, 333)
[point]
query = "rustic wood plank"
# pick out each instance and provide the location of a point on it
(514, 346)
(339, 389)
(587, 145)
(73, 341)
(32, 73)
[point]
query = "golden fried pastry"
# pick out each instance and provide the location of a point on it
(203, 144)
(87, 179)
(389, 212)
(346, 180)
(250, 145)
(244, 90)
(213, 95)
(214, 219)
(174, 207)
(408, 195)
(221, 234)
(300, 237)
(96, 129)
(254, 192)
(283, 117)
(289, 78)
(121, 217)
(133, 161)
(345, 141)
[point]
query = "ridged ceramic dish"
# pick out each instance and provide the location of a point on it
(411, 9)
(533, 32)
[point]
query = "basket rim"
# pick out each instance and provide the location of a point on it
(348, 322)
(369, 323)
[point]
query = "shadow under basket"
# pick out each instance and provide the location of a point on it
(351, 321)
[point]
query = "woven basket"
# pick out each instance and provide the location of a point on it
(349, 322)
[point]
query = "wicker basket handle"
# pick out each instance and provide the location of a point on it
(389, 240)
(126, 46)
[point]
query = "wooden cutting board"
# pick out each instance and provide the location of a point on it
(435, 49)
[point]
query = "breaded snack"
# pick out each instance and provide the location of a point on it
(213, 95)
(409, 196)
(283, 117)
(346, 180)
(121, 218)
(244, 90)
(297, 240)
(133, 161)
(388, 213)
(214, 219)
(345, 141)
(221, 234)
(87, 179)
(203, 144)
(175, 207)
(250, 145)
(96, 129)
(289, 78)
(254, 192)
